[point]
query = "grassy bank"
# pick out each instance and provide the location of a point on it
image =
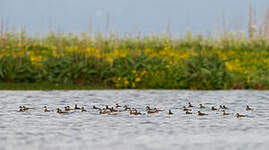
(49, 86)
(150, 62)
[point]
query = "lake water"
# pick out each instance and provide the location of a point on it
(35, 129)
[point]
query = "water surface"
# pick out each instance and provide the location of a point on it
(35, 129)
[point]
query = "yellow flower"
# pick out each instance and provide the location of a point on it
(114, 79)
(55, 54)
(229, 66)
(126, 82)
(109, 59)
(134, 71)
(118, 85)
(119, 78)
(133, 84)
(75, 48)
(248, 79)
(36, 60)
(137, 79)
(143, 73)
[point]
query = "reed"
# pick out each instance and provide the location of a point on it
(251, 23)
(266, 24)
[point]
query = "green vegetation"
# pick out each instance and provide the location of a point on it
(60, 61)
(48, 86)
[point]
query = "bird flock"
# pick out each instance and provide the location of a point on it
(133, 111)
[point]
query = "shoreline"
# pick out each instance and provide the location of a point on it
(62, 87)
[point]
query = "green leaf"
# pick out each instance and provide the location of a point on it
(205, 71)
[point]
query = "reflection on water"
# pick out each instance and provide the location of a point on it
(35, 129)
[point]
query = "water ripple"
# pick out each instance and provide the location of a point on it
(35, 129)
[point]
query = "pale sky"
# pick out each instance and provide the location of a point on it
(128, 16)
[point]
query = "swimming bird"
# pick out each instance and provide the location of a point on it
(134, 112)
(26, 108)
(151, 111)
(201, 114)
(201, 106)
(137, 113)
(188, 112)
(83, 109)
(170, 112)
(213, 108)
(67, 108)
(248, 108)
(102, 111)
(239, 116)
(224, 107)
(21, 109)
(190, 105)
(94, 107)
(157, 110)
(59, 111)
(76, 107)
(148, 108)
(113, 110)
(107, 107)
(117, 106)
(46, 109)
(186, 109)
(126, 107)
(224, 113)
